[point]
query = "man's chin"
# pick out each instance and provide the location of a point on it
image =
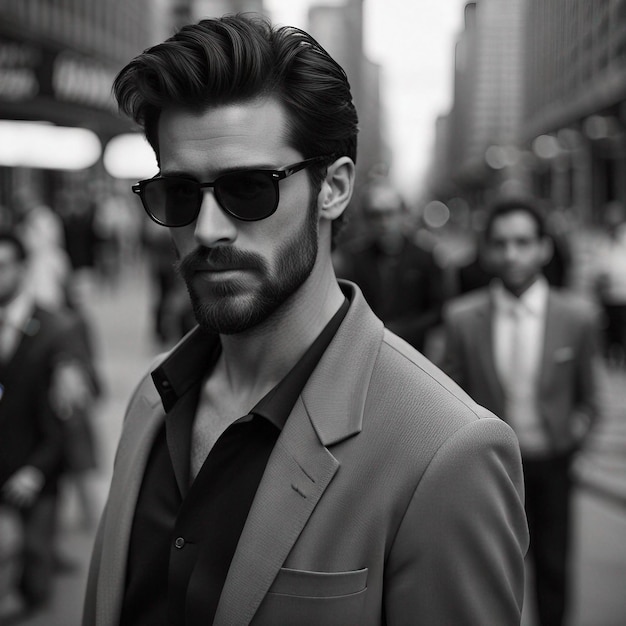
(231, 313)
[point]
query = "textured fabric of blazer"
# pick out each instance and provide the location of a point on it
(570, 363)
(390, 498)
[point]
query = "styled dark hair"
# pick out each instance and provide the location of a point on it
(8, 236)
(243, 57)
(505, 206)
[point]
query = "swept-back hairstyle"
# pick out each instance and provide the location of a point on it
(242, 57)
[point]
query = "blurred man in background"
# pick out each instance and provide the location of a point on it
(34, 343)
(529, 353)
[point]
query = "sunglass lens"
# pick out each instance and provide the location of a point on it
(173, 201)
(247, 195)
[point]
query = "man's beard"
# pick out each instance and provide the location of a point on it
(234, 306)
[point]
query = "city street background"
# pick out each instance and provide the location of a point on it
(458, 102)
(122, 326)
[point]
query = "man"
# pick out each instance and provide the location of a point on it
(41, 231)
(34, 345)
(290, 461)
(529, 353)
(400, 281)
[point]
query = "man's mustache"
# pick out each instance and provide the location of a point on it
(218, 259)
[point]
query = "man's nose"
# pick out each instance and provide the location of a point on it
(214, 226)
(511, 251)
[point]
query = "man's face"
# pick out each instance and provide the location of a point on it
(239, 273)
(11, 272)
(515, 251)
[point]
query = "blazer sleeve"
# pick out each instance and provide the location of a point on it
(466, 527)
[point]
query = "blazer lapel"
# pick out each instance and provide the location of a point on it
(553, 329)
(486, 354)
(130, 464)
(301, 467)
(292, 485)
(555, 336)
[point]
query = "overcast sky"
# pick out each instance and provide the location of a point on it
(413, 41)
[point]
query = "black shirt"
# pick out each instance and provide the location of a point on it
(184, 536)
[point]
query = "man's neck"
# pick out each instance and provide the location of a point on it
(518, 292)
(253, 362)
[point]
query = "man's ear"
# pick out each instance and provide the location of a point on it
(336, 189)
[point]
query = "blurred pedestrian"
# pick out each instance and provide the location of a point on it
(33, 341)
(75, 390)
(170, 304)
(400, 280)
(41, 231)
(529, 353)
(303, 465)
(76, 209)
(118, 232)
(610, 284)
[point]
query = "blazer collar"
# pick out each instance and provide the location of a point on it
(336, 391)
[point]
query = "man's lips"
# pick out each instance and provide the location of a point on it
(217, 267)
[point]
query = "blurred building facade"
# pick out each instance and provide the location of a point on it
(199, 9)
(57, 62)
(480, 134)
(339, 28)
(58, 59)
(539, 105)
(575, 118)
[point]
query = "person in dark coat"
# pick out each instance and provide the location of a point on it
(33, 342)
(400, 280)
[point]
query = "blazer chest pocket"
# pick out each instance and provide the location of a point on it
(312, 598)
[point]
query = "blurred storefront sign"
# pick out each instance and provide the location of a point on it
(45, 146)
(40, 81)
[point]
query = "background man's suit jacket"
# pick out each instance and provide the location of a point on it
(568, 388)
(30, 433)
(390, 497)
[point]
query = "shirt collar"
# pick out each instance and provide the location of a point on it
(197, 353)
(533, 300)
(277, 404)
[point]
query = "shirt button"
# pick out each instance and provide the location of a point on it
(179, 543)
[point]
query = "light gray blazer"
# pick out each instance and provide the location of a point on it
(570, 364)
(390, 497)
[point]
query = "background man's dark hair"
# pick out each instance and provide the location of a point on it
(506, 206)
(237, 58)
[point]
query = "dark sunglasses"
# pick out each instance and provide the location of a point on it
(247, 195)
